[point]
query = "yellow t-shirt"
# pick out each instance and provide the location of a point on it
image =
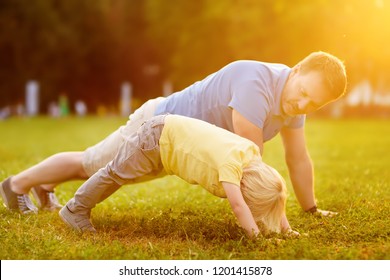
(204, 154)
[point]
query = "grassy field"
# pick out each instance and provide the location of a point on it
(169, 219)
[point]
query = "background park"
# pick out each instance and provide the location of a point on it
(111, 56)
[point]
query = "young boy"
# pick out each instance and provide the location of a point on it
(224, 163)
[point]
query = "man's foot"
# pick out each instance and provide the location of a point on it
(76, 220)
(14, 201)
(46, 200)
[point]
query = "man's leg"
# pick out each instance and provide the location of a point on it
(41, 178)
(58, 168)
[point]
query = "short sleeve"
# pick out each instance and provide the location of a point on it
(230, 173)
(250, 99)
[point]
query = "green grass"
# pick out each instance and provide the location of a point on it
(169, 219)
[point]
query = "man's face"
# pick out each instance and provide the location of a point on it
(304, 93)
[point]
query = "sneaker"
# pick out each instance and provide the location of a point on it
(14, 201)
(46, 200)
(78, 221)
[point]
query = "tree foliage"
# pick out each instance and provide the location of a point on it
(87, 48)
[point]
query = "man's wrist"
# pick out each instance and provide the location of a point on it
(312, 209)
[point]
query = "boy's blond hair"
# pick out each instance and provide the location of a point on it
(331, 67)
(264, 191)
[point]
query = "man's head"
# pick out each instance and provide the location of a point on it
(264, 191)
(317, 80)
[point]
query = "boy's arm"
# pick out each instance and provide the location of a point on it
(241, 209)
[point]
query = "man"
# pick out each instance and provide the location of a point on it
(253, 99)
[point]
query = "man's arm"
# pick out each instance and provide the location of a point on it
(241, 209)
(301, 170)
(299, 165)
(248, 130)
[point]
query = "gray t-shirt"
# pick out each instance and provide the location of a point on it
(252, 88)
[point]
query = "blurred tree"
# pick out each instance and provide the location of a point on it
(84, 48)
(88, 48)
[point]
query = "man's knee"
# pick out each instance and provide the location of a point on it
(76, 162)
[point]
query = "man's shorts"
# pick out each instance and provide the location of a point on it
(99, 155)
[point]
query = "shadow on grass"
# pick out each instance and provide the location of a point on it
(185, 225)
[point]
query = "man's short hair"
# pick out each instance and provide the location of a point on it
(333, 69)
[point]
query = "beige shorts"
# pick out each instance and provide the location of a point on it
(99, 155)
(138, 159)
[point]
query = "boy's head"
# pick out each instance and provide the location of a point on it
(264, 191)
(317, 80)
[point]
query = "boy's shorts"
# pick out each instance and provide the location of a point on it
(139, 157)
(99, 155)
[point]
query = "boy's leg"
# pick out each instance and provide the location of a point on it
(138, 156)
(99, 155)
(102, 153)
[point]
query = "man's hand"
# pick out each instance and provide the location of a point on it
(292, 233)
(325, 213)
